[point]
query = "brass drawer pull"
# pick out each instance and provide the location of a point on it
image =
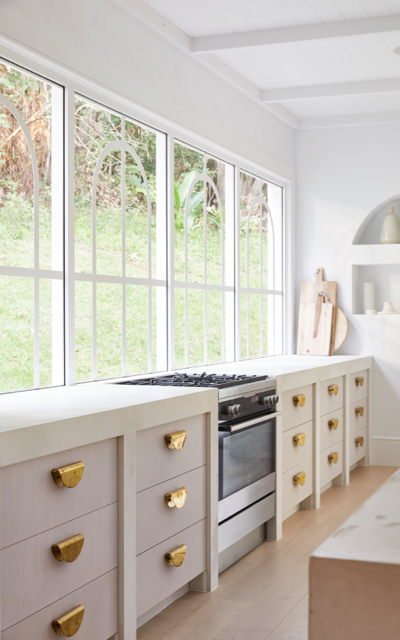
(333, 389)
(175, 440)
(360, 441)
(299, 440)
(68, 476)
(333, 457)
(360, 411)
(360, 381)
(333, 424)
(69, 624)
(68, 550)
(299, 400)
(176, 556)
(300, 478)
(176, 498)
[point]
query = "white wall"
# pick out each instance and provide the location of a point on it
(342, 174)
(100, 41)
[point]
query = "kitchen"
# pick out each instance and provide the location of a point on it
(107, 301)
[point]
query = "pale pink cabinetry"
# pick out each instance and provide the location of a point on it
(36, 514)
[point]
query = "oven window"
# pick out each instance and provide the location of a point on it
(245, 457)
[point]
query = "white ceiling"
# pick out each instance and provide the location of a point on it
(307, 63)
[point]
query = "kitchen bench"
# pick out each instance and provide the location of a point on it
(355, 574)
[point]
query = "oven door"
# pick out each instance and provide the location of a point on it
(246, 464)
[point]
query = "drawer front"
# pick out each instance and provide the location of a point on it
(100, 621)
(330, 470)
(156, 521)
(293, 416)
(31, 578)
(293, 454)
(330, 436)
(157, 580)
(360, 451)
(30, 502)
(358, 392)
(157, 463)
(358, 421)
(329, 401)
(293, 494)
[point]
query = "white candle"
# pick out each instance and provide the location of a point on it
(369, 296)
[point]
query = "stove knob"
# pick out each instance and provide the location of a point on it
(232, 410)
(237, 409)
(264, 401)
(275, 399)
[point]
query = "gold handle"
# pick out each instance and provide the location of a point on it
(333, 424)
(333, 389)
(360, 411)
(360, 441)
(176, 498)
(69, 624)
(299, 400)
(333, 457)
(176, 556)
(68, 550)
(299, 440)
(360, 381)
(68, 476)
(300, 478)
(175, 440)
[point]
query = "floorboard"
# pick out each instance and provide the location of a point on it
(265, 595)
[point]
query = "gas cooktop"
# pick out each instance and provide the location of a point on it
(217, 381)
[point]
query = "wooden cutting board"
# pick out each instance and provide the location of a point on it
(342, 327)
(309, 292)
(318, 328)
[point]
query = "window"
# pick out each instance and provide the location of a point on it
(149, 287)
(203, 259)
(120, 245)
(31, 231)
(260, 255)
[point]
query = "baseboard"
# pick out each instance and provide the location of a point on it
(386, 451)
(291, 512)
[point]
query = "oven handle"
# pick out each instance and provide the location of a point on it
(234, 428)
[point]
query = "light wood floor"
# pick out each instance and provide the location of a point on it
(265, 595)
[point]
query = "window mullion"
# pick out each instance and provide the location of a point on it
(123, 246)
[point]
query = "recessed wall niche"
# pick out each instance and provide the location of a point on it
(386, 278)
(370, 230)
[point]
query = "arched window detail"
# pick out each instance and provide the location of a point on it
(124, 287)
(260, 255)
(31, 236)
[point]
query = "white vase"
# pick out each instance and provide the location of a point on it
(390, 228)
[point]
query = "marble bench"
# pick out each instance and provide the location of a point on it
(355, 574)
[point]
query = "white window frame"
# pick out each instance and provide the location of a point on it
(74, 83)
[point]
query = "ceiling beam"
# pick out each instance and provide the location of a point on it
(269, 96)
(320, 31)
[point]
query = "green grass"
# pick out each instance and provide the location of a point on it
(16, 301)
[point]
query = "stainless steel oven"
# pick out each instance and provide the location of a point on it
(246, 464)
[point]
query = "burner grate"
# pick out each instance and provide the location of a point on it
(204, 379)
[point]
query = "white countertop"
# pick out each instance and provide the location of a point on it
(39, 422)
(372, 533)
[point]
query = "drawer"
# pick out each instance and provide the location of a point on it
(330, 470)
(30, 502)
(360, 451)
(329, 401)
(157, 580)
(293, 454)
(358, 391)
(100, 621)
(156, 521)
(157, 463)
(293, 494)
(358, 421)
(31, 578)
(293, 416)
(330, 436)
